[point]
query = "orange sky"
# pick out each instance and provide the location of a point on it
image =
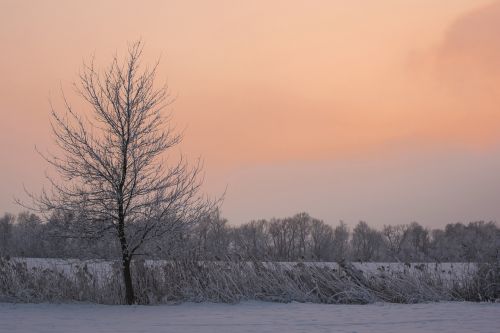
(386, 111)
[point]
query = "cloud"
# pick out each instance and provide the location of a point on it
(457, 86)
(469, 56)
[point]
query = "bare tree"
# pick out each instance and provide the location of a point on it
(213, 237)
(366, 242)
(29, 233)
(394, 237)
(302, 222)
(251, 240)
(321, 240)
(341, 242)
(112, 174)
(417, 242)
(6, 225)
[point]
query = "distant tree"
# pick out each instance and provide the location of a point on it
(6, 226)
(417, 242)
(280, 236)
(290, 236)
(341, 242)
(366, 242)
(480, 242)
(252, 241)
(302, 223)
(112, 175)
(213, 237)
(475, 242)
(394, 238)
(28, 235)
(321, 240)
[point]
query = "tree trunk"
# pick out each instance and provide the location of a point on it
(127, 279)
(126, 259)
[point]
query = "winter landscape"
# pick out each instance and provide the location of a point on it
(259, 166)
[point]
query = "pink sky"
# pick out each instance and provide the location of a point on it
(386, 111)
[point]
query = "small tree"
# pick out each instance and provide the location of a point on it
(112, 175)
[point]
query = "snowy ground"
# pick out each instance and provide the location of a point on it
(251, 317)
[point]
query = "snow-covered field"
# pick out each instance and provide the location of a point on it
(252, 317)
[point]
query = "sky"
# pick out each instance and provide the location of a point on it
(384, 111)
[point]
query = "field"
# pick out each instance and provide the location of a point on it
(252, 316)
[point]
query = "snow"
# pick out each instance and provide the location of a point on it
(103, 268)
(251, 317)
(98, 268)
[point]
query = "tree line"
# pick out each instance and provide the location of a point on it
(296, 238)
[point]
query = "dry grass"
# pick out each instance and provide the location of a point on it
(231, 282)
